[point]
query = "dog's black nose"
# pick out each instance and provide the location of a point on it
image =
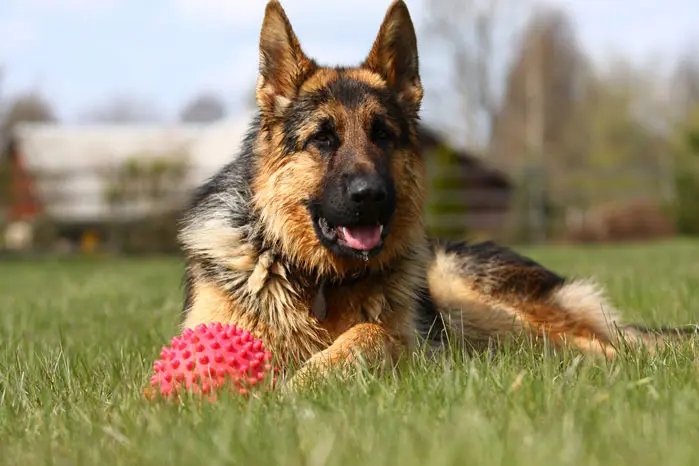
(366, 189)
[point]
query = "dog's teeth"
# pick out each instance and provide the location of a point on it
(380, 229)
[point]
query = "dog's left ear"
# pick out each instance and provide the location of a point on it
(394, 55)
(283, 65)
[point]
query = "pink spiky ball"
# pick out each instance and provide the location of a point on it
(210, 358)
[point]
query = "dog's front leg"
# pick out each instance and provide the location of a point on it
(367, 344)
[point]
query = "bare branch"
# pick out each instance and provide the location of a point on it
(474, 36)
(204, 108)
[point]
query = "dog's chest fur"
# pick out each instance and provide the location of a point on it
(298, 316)
(336, 306)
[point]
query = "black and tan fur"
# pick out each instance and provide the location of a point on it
(257, 258)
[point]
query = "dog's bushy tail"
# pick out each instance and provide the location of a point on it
(484, 292)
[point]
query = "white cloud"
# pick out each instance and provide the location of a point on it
(17, 34)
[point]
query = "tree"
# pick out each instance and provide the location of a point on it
(146, 186)
(685, 84)
(30, 107)
(123, 109)
(544, 84)
(476, 36)
(204, 108)
(2, 103)
(626, 122)
(531, 135)
(4, 165)
(685, 148)
(25, 108)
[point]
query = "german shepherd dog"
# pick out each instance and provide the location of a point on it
(313, 237)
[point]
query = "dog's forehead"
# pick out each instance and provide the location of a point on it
(339, 93)
(324, 77)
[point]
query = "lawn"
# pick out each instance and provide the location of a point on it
(78, 340)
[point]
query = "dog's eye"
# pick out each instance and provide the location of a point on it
(324, 139)
(380, 134)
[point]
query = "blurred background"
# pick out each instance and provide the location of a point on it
(544, 121)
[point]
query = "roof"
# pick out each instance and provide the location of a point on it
(77, 156)
(468, 158)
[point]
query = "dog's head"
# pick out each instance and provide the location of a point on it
(339, 181)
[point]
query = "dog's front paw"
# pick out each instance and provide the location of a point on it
(315, 370)
(363, 346)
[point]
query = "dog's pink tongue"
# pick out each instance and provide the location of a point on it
(361, 238)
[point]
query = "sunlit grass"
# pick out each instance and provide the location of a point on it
(78, 340)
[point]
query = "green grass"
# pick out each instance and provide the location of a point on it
(78, 340)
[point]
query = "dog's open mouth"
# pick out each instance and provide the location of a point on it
(362, 240)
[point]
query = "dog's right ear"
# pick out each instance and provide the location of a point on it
(283, 65)
(394, 55)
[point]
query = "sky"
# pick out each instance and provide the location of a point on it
(81, 53)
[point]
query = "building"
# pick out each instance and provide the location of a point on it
(467, 196)
(85, 179)
(130, 181)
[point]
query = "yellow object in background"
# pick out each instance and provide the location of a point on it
(89, 242)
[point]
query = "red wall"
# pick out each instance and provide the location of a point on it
(24, 202)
